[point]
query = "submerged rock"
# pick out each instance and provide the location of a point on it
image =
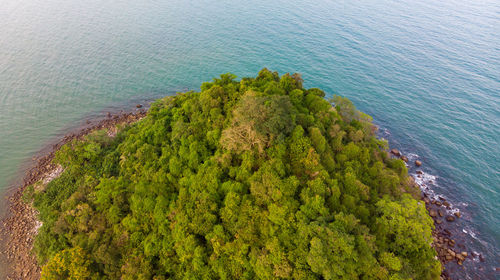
(450, 218)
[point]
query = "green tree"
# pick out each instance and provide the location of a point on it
(252, 179)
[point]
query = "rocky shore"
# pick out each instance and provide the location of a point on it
(19, 225)
(445, 245)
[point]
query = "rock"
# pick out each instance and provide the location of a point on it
(441, 214)
(433, 213)
(420, 172)
(446, 203)
(404, 158)
(418, 163)
(449, 257)
(460, 262)
(458, 214)
(438, 203)
(464, 254)
(450, 218)
(396, 152)
(138, 106)
(438, 222)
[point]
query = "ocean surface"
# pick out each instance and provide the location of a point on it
(427, 71)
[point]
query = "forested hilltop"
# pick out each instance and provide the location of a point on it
(252, 179)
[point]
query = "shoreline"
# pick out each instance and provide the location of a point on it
(19, 223)
(448, 250)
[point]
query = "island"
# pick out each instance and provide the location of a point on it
(258, 178)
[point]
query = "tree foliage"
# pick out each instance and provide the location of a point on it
(252, 179)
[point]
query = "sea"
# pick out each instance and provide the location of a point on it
(427, 71)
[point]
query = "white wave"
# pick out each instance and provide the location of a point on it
(424, 179)
(470, 232)
(412, 157)
(426, 182)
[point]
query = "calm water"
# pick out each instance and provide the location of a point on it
(427, 71)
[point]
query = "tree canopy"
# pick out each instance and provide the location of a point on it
(252, 179)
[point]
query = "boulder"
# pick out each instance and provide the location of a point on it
(433, 213)
(420, 172)
(450, 218)
(404, 158)
(395, 152)
(418, 163)
(138, 106)
(458, 214)
(441, 214)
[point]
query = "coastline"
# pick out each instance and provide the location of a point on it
(442, 213)
(19, 225)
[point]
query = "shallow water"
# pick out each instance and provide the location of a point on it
(427, 71)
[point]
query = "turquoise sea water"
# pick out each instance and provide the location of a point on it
(427, 71)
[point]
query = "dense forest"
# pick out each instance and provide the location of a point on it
(252, 179)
